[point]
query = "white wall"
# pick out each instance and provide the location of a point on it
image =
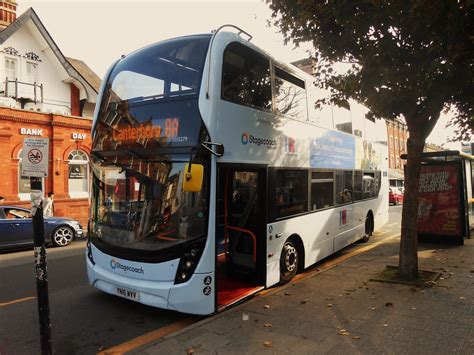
(56, 93)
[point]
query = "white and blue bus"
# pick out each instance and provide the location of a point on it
(215, 177)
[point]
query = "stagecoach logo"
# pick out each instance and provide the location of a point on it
(248, 138)
(116, 265)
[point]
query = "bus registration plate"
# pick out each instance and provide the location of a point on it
(130, 294)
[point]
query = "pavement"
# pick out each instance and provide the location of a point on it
(340, 310)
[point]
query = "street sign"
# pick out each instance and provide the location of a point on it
(35, 157)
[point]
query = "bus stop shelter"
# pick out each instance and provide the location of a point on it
(446, 204)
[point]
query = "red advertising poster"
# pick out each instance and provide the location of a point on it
(439, 200)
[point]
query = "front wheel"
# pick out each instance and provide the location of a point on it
(62, 236)
(288, 262)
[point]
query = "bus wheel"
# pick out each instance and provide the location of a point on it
(369, 227)
(288, 262)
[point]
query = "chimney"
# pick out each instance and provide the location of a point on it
(7, 13)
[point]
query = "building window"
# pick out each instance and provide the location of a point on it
(32, 72)
(24, 187)
(10, 68)
(78, 174)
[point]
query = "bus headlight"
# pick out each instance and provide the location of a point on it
(188, 262)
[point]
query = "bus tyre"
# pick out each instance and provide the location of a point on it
(369, 228)
(288, 262)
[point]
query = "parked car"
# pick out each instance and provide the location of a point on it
(395, 196)
(16, 229)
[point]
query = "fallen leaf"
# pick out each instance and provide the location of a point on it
(329, 298)
(267, 325)
(389, 304)
(190, 351)
(329, 304)
(267, 306)
(343, 332)
(268, 344)
(462, 298)
(355, 337)
(372, 308)
(305, 301)
(385, 325)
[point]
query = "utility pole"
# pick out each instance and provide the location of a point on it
(34, 163)
(41, 266)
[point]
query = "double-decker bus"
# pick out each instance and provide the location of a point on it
(215, 177)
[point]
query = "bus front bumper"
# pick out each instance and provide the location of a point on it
(195, 296)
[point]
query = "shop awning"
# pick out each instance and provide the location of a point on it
(396, 174)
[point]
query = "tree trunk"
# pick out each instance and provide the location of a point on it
(408, 262)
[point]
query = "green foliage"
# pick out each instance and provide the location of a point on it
(408, 58)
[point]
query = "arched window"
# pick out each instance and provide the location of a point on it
(24, 187)
(78, 174)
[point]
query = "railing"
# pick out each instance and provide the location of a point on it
(242, 230)
(19, 91)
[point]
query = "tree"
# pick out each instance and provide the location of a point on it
(410, 59)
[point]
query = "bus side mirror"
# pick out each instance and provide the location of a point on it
(192, 180)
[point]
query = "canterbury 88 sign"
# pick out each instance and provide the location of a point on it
(35, 157)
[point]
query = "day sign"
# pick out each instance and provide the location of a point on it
(35, 157)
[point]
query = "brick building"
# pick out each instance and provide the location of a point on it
(44, 94)
(397, 134)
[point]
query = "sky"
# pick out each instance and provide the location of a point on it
(99, 32)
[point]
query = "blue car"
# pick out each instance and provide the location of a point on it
(16, 229)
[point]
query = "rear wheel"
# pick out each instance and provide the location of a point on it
(62, 236)
(288, 262)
